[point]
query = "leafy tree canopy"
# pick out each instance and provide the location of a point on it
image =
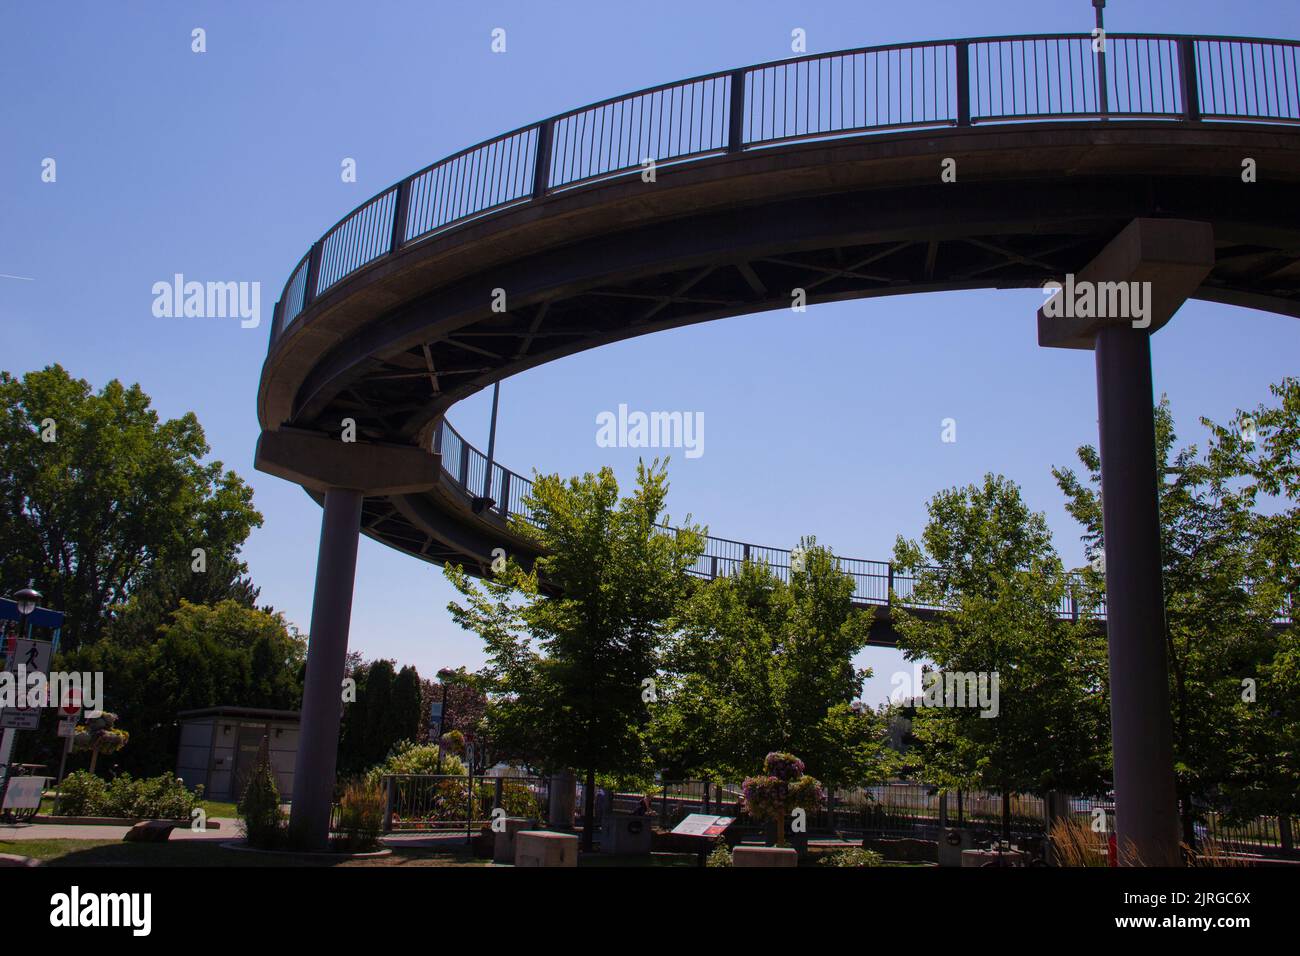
(760, 664)
(989, 560)
(104, 503)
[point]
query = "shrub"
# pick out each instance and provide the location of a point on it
(259, 808)
(410, 757)
(720, 856)
(519, 800)
(853, 856)
(82, 794)
(161, 797)
(176, 801)
(1074, 843)
(444, 799)
(361, 816)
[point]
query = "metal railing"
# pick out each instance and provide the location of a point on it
(459, 802)
(874, 582)
(852, 92)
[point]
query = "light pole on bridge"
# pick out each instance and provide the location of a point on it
(1103, 96)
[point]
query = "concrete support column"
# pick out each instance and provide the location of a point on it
(322, 700)
(1145, 797)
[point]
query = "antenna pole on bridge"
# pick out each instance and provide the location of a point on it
(485, 501)
(1103, 96)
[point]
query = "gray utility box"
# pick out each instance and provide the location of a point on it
(952, 843)
(626, 833)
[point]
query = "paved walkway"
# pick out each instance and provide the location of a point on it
(79, 831)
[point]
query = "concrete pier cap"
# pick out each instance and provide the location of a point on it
(1169, 257)
(320, 462)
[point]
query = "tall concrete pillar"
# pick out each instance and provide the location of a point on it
(327, 649)
(344, 472)
(1146, 799)
(1166, 260)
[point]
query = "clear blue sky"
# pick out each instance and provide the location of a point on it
(225, 166)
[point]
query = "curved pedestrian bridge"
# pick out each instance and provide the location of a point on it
(999, 162)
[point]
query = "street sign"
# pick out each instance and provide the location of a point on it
(33, 656)
(72, 704)
(68, 727)
(14, 718)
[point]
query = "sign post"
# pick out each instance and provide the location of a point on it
(68, 715)
(32, 657)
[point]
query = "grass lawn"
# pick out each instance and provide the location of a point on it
(208, 853)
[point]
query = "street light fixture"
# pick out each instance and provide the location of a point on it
(28, 599)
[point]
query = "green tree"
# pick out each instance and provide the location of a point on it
(757, 664)
(103, 500)
(988, 560)
(567, 664)
(1260, 451)
(387, 711)
(1217, 626)
(206, 656)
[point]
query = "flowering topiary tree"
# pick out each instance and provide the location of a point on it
(99, 736)
(782, 788)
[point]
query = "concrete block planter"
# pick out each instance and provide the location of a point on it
(546, 848)
(764, 856)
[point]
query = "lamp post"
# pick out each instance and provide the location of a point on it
(26, 600)
(445, 675)
(1103, 95)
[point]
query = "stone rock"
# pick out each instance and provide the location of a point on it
(150, 831)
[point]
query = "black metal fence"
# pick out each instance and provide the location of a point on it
(448, 803)
(900, 810)
(459, 802)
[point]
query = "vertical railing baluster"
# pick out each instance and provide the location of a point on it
(963, 83)
(1187, 77)
(736, 119)
(401, 210)
(277, 321)
(542, 162)
(313, 270)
